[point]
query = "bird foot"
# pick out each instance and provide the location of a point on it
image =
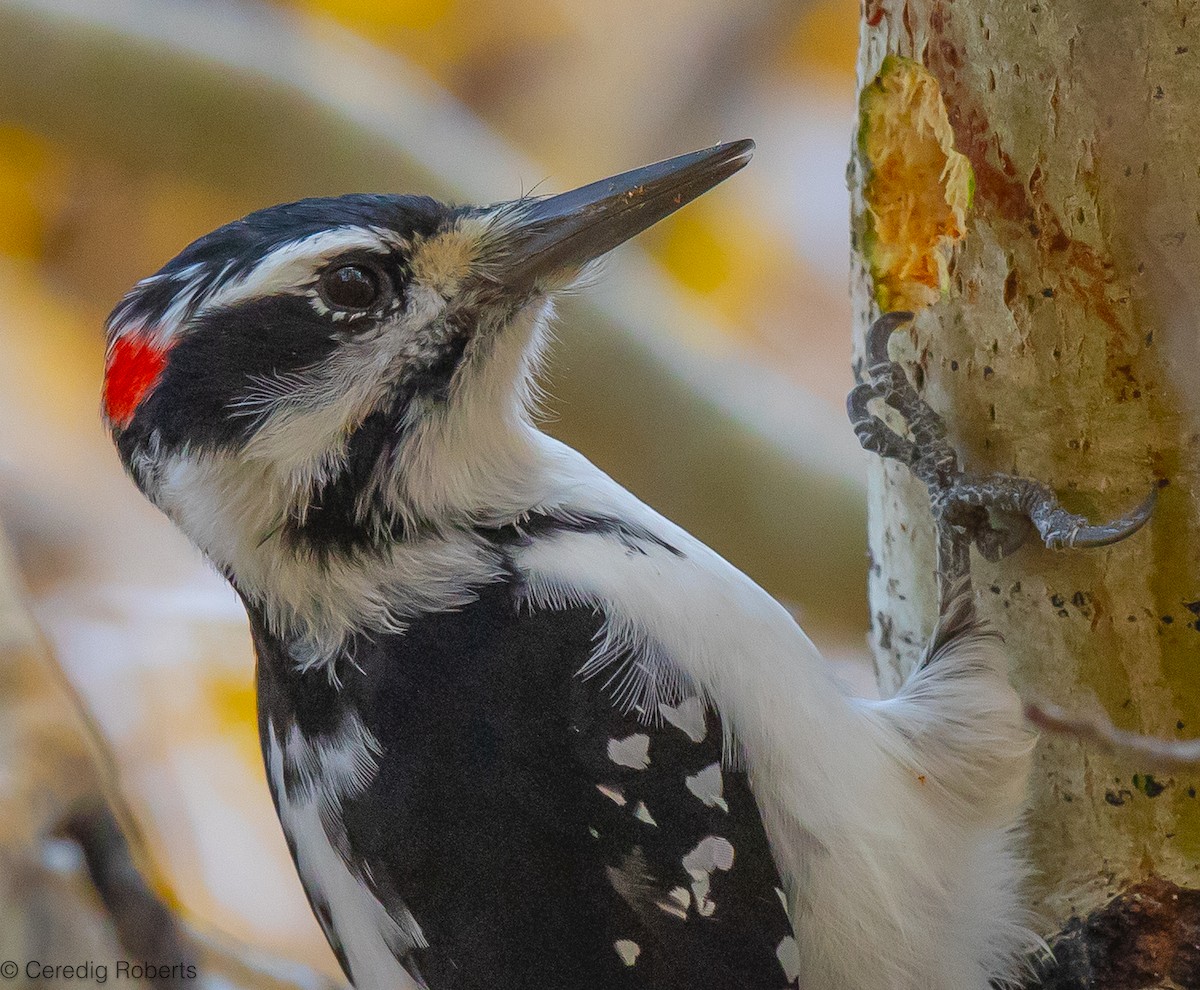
(998, 513)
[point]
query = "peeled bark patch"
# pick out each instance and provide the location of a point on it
(918, 189)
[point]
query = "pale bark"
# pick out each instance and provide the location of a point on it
(1065, 348)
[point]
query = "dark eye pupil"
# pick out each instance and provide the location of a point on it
(351, 287)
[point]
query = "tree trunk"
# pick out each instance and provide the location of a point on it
(1058, 300)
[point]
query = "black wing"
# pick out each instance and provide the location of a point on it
(540, 837)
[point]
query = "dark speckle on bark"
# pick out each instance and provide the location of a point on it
(1148, 785)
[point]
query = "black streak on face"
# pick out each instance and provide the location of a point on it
(345, 515)
(216, 364)
(335, 519)
(432, 380)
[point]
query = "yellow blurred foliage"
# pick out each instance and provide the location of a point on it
(42, 330)
(32, 175)
(229, 712)
(696, 251)
(79, 225)
(231, 703)
(443, 36)
(697, 248)
(478, 49)
(379, 17)
(232, 700)
(825, 38)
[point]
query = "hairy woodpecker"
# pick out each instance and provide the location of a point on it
(521, 731)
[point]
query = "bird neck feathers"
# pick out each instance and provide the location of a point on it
(358, 533)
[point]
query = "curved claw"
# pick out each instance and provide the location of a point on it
(878, 334)
(873, 434)
(856, 402)
(1084, 535)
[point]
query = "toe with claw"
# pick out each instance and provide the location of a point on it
(996, 512)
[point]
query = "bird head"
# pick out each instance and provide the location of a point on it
(333, 373)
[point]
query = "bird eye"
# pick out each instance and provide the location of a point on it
(351, 287)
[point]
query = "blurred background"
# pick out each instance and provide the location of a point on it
(705, 370)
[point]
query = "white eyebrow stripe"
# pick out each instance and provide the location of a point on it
(291, 265)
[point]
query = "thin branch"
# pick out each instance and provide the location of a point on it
(1162, 754)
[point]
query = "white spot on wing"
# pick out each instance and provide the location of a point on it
(627, 950)
(673, 910)
(687, 716)
(788, 954)
(642, 814)
(612, 793)
(632, 751)
(712, 853)
(709, 786)
(677, 906)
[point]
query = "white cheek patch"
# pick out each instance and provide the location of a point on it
(304, 427)
(232, 509)
(305, 417)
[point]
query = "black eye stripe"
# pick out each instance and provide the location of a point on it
(226, 350)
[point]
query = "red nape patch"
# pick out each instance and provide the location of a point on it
(131, 369)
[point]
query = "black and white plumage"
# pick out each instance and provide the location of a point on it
(522, 731)
(532, 827)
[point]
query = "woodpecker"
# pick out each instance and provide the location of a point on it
(521, 731)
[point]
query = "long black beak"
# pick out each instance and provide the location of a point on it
(560, 234)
